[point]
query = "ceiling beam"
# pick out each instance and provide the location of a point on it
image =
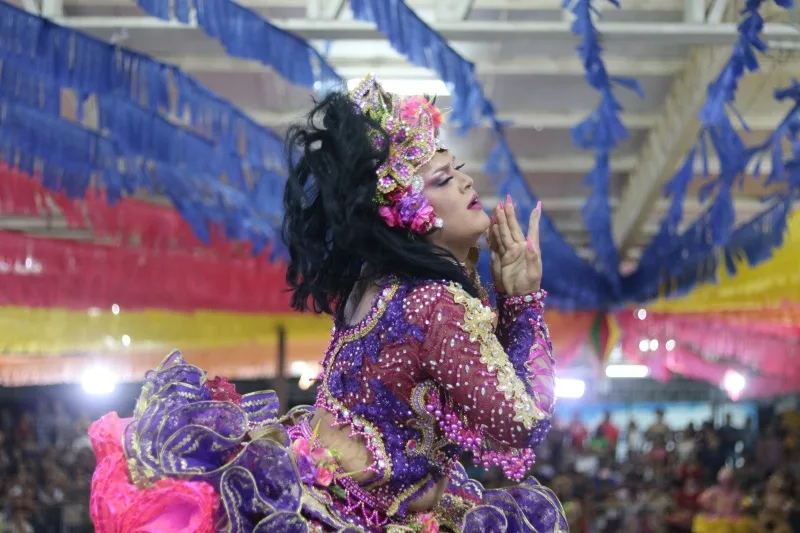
(52, 8)
(668, 142)
(492, 5)
(324, 9)
(744, 206)
(31, 6)
(581, 164)
(679, 33)
(535, 120)
(395, 67)
(451, 10)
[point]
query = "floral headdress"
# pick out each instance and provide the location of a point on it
(413, 126)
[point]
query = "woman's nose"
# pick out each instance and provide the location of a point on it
(466, 182)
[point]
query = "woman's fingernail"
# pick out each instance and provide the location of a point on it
(509, 200)
(502, 206)
(494, 219)
(531, 248)
(539, 204)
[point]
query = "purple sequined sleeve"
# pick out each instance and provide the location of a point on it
(523, 333)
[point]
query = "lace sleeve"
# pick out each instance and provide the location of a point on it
(493, 402)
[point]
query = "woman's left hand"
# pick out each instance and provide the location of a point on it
(516, 263)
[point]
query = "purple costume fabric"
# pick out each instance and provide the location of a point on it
(419, 380)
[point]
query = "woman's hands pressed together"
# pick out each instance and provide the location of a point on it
(516, 260)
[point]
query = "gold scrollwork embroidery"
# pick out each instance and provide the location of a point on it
(478, 325)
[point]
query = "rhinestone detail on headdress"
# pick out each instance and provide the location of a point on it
(412, 124)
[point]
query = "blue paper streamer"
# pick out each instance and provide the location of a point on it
(601, 131)
(574, 284)
(673, 263)
(245, 34)
(132, 93)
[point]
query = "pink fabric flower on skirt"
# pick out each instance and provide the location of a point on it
(118, 506)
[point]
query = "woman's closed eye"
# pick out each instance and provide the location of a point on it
(442, 182)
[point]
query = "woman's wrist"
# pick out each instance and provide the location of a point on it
(535, 298)
(524, 291)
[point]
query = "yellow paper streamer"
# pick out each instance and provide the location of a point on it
(60, 331)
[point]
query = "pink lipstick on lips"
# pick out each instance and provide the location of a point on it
(474, 203)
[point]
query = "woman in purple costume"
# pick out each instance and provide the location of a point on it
(381, 225)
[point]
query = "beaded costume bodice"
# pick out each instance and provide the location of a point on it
(425, 375)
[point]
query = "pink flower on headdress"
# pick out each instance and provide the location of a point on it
(411, 107)
(422, 220)
(390, 216)
(414, 106)
(397, 194)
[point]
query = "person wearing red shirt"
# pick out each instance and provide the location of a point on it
(609, 431)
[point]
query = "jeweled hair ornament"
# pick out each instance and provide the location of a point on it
(412, 124)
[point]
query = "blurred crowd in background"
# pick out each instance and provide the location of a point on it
(662, 479)
(611, 479)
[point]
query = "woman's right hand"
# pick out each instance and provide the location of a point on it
(516, 262)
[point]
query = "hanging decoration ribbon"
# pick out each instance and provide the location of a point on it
(578, 285)
(601, 131)
(247, 35)
(137, 101)
(674, 261)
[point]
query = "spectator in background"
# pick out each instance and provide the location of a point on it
(749, 434)
(657, 435)
(634, 439)
(728, 437)
(609, 432)
(578, 432)
(710, 453)
(687, 444)
(769, 451)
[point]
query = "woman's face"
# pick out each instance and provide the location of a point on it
(452, 197)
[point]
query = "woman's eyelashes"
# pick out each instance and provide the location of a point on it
(446, 179)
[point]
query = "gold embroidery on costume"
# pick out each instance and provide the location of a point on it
(478, 325)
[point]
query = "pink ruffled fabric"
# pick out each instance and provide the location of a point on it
(118, 506)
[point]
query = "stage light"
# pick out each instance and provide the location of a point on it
(734, 384)
(670, 345)
(309, 376)
(570, 388)
(641, 314)
(653, 345)
(115, 309)
(627, 371)
(99, 381)
(644, 345)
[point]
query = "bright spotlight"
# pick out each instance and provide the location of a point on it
(641, 314)
(570, 388)
(115, 309)
(126, 340)
(298, 368)
(309, 376)
(653, 345)
(734, 384)
(627, 371)
(670, 345)
(99, 381)
(644, 345)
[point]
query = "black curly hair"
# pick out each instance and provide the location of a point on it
(331, 227)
